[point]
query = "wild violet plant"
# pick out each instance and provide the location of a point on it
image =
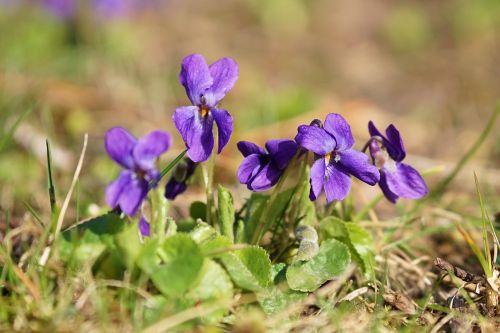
(288, 236)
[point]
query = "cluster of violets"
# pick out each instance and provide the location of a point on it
(330, 142)
(106, 8)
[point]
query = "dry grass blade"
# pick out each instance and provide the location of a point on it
(72, 187)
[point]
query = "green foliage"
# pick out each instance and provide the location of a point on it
(87, 241)
(250, 268)
(174, 265)
(359, 241)
(278, 296)
(226, 212)
(332, 259)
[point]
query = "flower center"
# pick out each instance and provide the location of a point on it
(334, 155)
(203, 110)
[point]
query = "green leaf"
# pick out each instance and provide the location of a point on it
(214, 284)
(202, 232)
(215, 245)
(118, 235)
(332, 259)
(226, 212)
(250, 268)
(278, 296)
(174, 266)
(358, 239)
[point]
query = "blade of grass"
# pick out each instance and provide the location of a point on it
(486, 243)
(484, 214)
(52, 191)
(4, 141)
(65, 204)
(477, 251)
(172, 164)
(441, 187)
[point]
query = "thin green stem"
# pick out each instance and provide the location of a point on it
(208, 178)
(264, 220)
(172, 164)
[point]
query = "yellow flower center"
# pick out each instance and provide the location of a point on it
(204, 109)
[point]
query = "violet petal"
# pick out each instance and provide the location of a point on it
(250, 167)
(174, 188)
(337, 183)
(119, 144)
(338, 127)
(132, 196)
(391, 196)
(358, 164)
(315, 139)
(318, 170)
(224, 73)
(115, 189)
(144, 226)
(224, 127)
(406, 182)
(149, 148)
(394, 137)
(266, 178)
(247, 148)
(195, 77)
(281, 151)
(196, 131)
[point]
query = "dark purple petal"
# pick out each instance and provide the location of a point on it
(337, 183)
(132, 196)
(149, 148)
(394, 137)
(144, 227)
(338, 127)
(281, 151)
(115, 189)
(174, 188)
(315, 139)
(358, 164)
(250, 167)
(224, 73)
(195, 77)
(391, 196)
(373, 130)
(406, 182)
(266, 178)
(119, 144)
(247, 148)
(318, 170)
(224, 127)
(196, 131)
(393, 145)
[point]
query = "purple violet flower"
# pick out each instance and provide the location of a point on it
(144, 227)
(61, 8)
(335, 160)
(106, 8)
(396, 179)
(205, 86)
(260, 170)
(177, 184)
(138, 158)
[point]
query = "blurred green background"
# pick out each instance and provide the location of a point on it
(430, 67)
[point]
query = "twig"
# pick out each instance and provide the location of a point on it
(457, 271)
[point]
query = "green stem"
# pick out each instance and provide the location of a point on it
(208, 178)
(172, 164)
(264, 220)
